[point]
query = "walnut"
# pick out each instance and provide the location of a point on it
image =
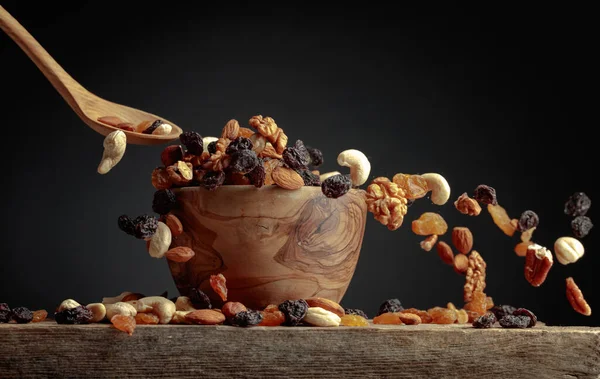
(475, 277)
(387, 202)
(267, 127)
(222, 144)
(218, 162)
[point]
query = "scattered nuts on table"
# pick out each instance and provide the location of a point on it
(98, 311)
(317, 316)
(160, 242)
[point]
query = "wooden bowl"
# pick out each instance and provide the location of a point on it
(270, 243)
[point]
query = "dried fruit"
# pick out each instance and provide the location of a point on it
(247, 318)
(526, 235)
(445, 253)
(21, 315)
(354, 320)
(110, 120)
(145, 226)
(502, 310)
(509, 321)
(258, 175)
(218, 284)
(39, 315)
(212, 147)
(152, 127)
(576, 299)
(538, 262)
(423, 315)
(271, 308)
(485, 321)
(386, 201)
(272, 318)
(77, 315)
(462, 238)
(478, 303)
(181, 173)
(316, 156)
(231, 308)
(180, 254)
(462, 317)
(521, 248)
(245, 132)
(199, 299)
(213, 180)
(388, 318)
(164, 201)
(243, 161)
(461, 263)
(192, 142)
(294, 311)
(174, 224)
(409, 318)
(489, 303)
(126, 224)
(527, 313)
(465, 205)
(427, 243)
(142, 126)
(501, 219)
(146, 319)
(578, 204)
(171, 154)
(528, 220)
(485, 195)
(441, 315)
(309, 178)
(414, 186)
(287, 178)
(123, 323)
(581, 226)
(390, 305)
(160, 178)
(296, 157)
(357, 312)
(336, 186)
(429, 223)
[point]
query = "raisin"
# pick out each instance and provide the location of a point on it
(126, 225)
(528, 313)
(77, 315)
(240, 143)
(501, 219)
(258, 175)
(164, 201)
(309, 178)
(124, 323)
(243, 161)
(315, 156)
(217, 282)
(336, 186)
(502, 310)
(272, 308)
(441, 315)
(581, 226)
(145, 226)
(152, 127)
(578, 204)
(510, 321)
(485, 194)
(272, 318)
(528, 220)
(199, 299)
(429, 223)
(192, 141)
(354, 320)
(22, 315)
(213, 180)
(414, 186)
(354, 311)
(294, 311)
(146, 319)
(247, 318)
(296, 157)
(390, 305)
(388, 318)
(39, 315)
(478, 304)
(212, 147)
(4, 312)
(485, 321)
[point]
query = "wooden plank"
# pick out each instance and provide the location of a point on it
(50, 350)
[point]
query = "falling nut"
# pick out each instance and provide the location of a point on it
(98, 311)
(440, 189)
(461, 264)
(568, 250)
(445, 252)
(576, 299)
(160, 242)
(538, 262)
(468, 206)
(428, 243)
(180, 254)
(462, 239)
(68, 304)
(359, 164)
(120, 308)
(174, 224)
(318, 316)
(114, 149)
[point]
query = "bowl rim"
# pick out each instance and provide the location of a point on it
(252, 187)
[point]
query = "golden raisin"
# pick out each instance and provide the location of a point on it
(462, 317)
(414, 186)
(521, 248)
(429, 223)
(354, 320)
(217, 282)
(273, 318)
(388, 318)
(231, 308)
(425, 317)
(146, 319)
(441, 315)
(271, 308)
(124, 323)
(472, 315)
(489, 303)
(478, 304)
(39, 315)
(502, 220)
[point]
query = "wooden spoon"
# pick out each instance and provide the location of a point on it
(88, 106)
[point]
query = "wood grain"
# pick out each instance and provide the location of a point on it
(449, 351)
(270, 243)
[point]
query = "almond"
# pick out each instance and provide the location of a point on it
(110, 120)
(445, 252)
(326, 304)
(245, 132)
(180, 254)
(174, 224)
(231, 130)
(462, 238)
(461, 263)
(287, 178)
(205, 317)
(231, 308)
(409, 318)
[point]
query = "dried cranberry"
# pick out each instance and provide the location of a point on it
(294, 311)
(240, 143)
(22, 315)
(309, 178)
(390, 305)
(164, 201)
(502, 310)
(4, 312)
(145, 226)
(77, 315)
(485, 194)
(192, 141)
(520, 322)
(485, 321)
(212, 147)
(213, 180)
(336, 186)
(528, 220)
(243, 161)
(258, 175)
(246, 318)
(199, 299)
(126, 225)
(354, 311)
(316, 156)
(152, 127)
(581, 226)
(528, 313)
(296, 157)
(578, 204)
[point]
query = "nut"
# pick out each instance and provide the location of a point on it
(568, 250)
(245, 132)
(317, 316)
(461, 263)
(163, 129)
(231, 130)
(466, 205)
(174, 224)
(171, 154)
(269, 152)
(259, 142)
(98, 311)
(576, 299)
(112, 300)
(205, 317)
(268, 128)
(132, 296)
(440, 189)
(360, 167)
(287, 178)
(206, 141)
(445, 252)
(160, 306)
(114, 149)
(179, 317)
(474, 276)
(387, 202)
(462, 238)
(160, 242)
(427, 243)
(217, 162)
(120, 308)
(326, 175)
(538, 262)
(180, 254)
(68, 304)
(231, 308)
(181, 173)
(409, 318)
(183, 303)
(326, 304)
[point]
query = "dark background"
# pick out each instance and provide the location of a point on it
(487, 98)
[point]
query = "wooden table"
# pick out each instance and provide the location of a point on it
(50, 350)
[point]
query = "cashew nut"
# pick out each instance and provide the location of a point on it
(440, 189)
(68, 304)
(161, 306)
(326, 175)
(114, 149)
(139, 306)
(318, 316)
(163, 129)
(207, 140)
(119, 308)
(179, 317)
(98, 311)
(160, 242)
(116, 299)
(360, 167)
(183, 303)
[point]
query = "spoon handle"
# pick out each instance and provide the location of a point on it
(59, 78)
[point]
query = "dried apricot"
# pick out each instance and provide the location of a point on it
(217, 282)
(441, 315)
(502, 220)
(425, 317)
(123, 323)
(388, 318)
(146, 319)
(272, 318)
(414, 186)
(39, 315)
(354, 320)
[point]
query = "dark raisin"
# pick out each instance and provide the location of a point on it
(409, 202)
(126, 225)
(485, 194)
(336, 186)
(528, 220)
(192, 141)
(145, 226)
(22, 315)
(581, 226)
(485, 321)
(77, 315)
(246, 318)
(212, 147)
(390, 305)
(578, 204)
(309, 178)
(296, 157)
(316, 156)
(527, 313)
(520, 322)
(164, 201)
(243, 161)
(258, 175)
(294, 311)
(354, 311)
(240, 143)
(199, 299)
(502, 310)
(152, 127)
(213, 180)
(4, 312)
